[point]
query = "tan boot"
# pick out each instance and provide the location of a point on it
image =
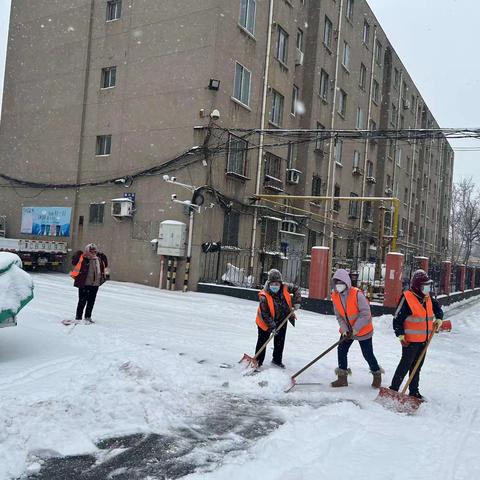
(377, 378)
(342, 378)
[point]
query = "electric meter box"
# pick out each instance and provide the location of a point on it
(172, 238)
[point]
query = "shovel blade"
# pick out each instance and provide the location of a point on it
(293, 382)
(251, 361)
(446, 326)
(399, 402)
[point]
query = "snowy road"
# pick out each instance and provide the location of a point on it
(142, 394)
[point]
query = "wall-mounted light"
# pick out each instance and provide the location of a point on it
(214, 84)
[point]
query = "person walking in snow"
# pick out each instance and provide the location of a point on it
(413, 323)
(355, 320)
(276, 302)
(91, 271)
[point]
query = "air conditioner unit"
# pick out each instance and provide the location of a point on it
(356, 171)
(400, 233)
(122, 207)
(293, 176)
(406, 104)
(414, 229)
(299, 57)
(371, 180)
(388, 191)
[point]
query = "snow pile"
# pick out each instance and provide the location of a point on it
(16, 286)
(154, 364)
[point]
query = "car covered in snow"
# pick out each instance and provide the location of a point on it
(16, 288)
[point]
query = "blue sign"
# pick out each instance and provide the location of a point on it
(129, 195)
(46, 221)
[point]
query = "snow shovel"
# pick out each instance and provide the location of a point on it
(400, 401)
(315, 360)
(252, 361)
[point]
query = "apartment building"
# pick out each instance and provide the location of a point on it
(106, 97)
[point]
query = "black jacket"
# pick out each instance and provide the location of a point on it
(82, 277)
(280, 304)
(403, 311)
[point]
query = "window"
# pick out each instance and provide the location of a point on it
(368, 212)
(276, 112)
(241, 88)
(104, 145)
(96, 213)
(282, 46)
(413, 105)
(391, 149)
(109, 77)
(353, 207)
(312, 240)
(342, 103)
(338, 151)
(373, 125)
(402, 122)
(378, 52)
(316, 186)
(363, 76)
(324, 84)
(396, 78)
(376, 91)
(350, 248)
(393, 120)
(247, 15)
(300, 39)
(366, 32)
(389, 181)
(269, 233)
(273, 166)
(114, 10)
(370, 169)
(237, 156)
(399, 157)
(320, 142)
(336, 203)
(356, 159)
(405, 196)
(295, 94)
(349, 9)
(291, 154)
(231, 227)
(327, 33)
(346, 55)
(360, 119)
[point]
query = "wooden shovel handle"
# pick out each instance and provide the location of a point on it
(420, 358)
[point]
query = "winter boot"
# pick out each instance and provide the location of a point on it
(278, 364)
(342, 378)
(377, 378)
(417, 395)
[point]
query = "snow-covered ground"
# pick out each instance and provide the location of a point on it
(152, 364)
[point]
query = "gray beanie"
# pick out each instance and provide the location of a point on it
(274, 275)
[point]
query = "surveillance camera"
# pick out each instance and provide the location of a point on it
(215, 115)
(154, 242)
(174, 196)
(173, 179)
(166, 178)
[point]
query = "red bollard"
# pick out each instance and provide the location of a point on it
(393, 279)
(446, 274)
(462, 270)
(319, 280)
(422, 263)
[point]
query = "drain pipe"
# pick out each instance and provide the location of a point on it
(262, 127)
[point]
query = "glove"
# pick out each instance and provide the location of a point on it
(437, 324)
(296, 306)
(403, 341)
(354, 333)
(346, 335)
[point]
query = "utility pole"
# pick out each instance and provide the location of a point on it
(381, 226)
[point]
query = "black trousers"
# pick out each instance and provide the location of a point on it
(410, 355)
(278, 344)
(86, 296)
(367, 351)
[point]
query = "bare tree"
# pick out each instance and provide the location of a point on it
(465, 220)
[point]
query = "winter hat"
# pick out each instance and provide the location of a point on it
(89, 246)
(419, 278)
(274, 275)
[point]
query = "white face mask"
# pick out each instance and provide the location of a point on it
(340, 287)
(426, 289)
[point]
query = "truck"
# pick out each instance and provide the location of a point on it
(36, 253)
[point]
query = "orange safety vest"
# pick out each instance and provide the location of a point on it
(419, 325)
(352, 310)
(76, 271)
(271, 306)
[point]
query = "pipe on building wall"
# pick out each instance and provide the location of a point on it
(262, 127)
(367, 141)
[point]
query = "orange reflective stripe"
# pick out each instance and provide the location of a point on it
(353, 311)
(271, 306)
(76, 271)
(419, 324)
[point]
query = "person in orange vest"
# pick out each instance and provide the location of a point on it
(276, 302)
(413, 322)
(91, 271)
(355, 320)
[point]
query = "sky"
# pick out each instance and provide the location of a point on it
(436, 40)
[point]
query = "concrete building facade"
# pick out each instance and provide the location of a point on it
(104, 98)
